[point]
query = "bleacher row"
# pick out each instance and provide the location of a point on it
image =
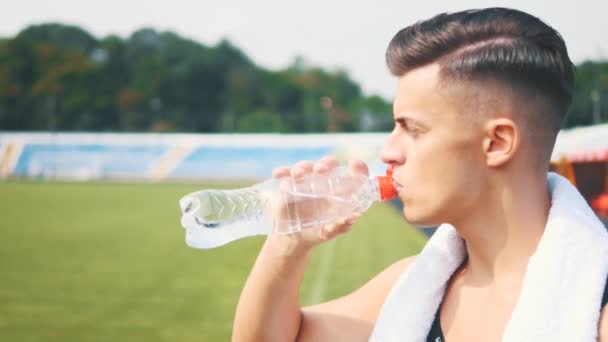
(86, 161)
(149, 156)
(76, 156)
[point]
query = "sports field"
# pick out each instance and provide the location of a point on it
(108, 262)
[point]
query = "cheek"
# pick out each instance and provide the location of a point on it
(459, 183)
(425, 166)
(438, 183)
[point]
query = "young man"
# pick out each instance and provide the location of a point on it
(481, 97)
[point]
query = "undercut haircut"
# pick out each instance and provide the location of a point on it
(500, 45)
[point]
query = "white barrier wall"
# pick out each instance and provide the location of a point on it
(89, 156)
(151, 157)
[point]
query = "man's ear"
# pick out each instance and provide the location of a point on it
(501, 141)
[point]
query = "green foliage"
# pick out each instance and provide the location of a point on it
(108, 262)
(260, 120)
(62, 36)
(45, 86)
(591, 94)
(58, 77)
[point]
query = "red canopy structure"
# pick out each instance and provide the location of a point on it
(581, 155)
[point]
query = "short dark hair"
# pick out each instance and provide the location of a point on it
(501, 44)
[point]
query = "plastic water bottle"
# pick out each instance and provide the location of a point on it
(215, 217)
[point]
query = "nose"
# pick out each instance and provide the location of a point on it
(393, 151)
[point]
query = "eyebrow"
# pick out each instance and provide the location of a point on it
(402, 119)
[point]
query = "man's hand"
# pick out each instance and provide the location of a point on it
(310, 237)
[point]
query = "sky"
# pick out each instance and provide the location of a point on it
(333, 34)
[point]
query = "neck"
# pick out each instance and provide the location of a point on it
(504, 234)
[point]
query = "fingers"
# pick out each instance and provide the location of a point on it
(322, 166)
(352, 218)
(344, 225)
(301, 168)
(280, 172)
(358, 166)
(326, 164)
(297, 171)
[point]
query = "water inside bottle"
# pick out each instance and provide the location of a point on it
(316, 201)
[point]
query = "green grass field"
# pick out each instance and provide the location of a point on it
(108, 262)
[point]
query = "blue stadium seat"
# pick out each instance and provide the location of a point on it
(88, 160)
(242, 162)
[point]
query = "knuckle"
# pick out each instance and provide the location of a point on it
(304, 164)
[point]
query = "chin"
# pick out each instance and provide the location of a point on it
(420, 220)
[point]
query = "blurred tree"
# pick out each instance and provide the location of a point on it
(375, 114)
(45, 87)
(55, 76)
(74, 89)
(261, 120)
(62, 36)
(17, 72)
(590, 102)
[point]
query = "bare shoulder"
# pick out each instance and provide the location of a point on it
(354, 314)
(603, 325)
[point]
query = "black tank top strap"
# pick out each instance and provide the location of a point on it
(605, 297)
(436, 335)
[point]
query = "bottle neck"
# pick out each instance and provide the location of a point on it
(374, 186)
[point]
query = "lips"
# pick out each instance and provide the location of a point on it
(398, 186)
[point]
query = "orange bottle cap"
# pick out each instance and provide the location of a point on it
(386, 185)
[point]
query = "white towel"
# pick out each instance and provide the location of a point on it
(562, 290)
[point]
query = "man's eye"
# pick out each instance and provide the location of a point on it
(408, 128)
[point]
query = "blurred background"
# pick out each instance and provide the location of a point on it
(111, 111)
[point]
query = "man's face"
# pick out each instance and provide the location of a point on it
(436, 150)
